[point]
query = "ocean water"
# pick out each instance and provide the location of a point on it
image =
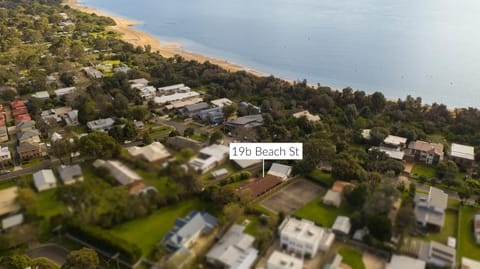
(428, 48)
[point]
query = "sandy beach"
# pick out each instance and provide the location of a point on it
(124, 28)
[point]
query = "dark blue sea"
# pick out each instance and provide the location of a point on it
(427, 48)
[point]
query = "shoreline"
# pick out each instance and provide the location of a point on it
(124, 28)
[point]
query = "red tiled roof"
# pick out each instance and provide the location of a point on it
(339, 185)
(477, 224)
(17, 103)
(262, 185)
(20, 111)
(21, 118)
(136, 187)
(427, 147)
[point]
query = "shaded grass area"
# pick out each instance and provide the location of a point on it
(424, 170)
(449, 228)
(352, 257)
(467, 247)
(148, 231)
(47, 204)
(322, 214)
(321, 177)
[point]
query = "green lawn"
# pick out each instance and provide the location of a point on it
(322, 214)
(424, 170)
(322, 177)
(7, 184)
(47, 205)
(162, 184)
(148, 231)
(228, 165)
(160, 129)
(466, 243)
(352, 257)
(449, 228)
(453, 203)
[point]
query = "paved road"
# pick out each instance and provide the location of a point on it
(29, 170)
(53, 252)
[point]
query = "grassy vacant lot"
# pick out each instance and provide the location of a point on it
(352, 257)
(322, 214)
(424, 170)
(148, 231)
(466, 243)
(47, 205)
(449, 228)
(162, 184)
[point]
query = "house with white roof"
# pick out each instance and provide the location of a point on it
(101, 124)
(187, 230)
(392, 145)
(44, 180)
(437, 254)
(147, 93)
(41, 95)
(56, 136)
(462, 155)
(234, 250)
(404, 262)
(280, 170)
(209, 157)
(12, 221)
(221, 102)
(64, 91)
(177, 88)
(280, 260)
(5, 155)
(247, 163)
(70, 174)
(393, 141)
(304, 237)
(151, 153)
(430, 209)
(306, 114)
(469, 263)
(139, 81)
(342, 225)
(119, 171)
(332, 198)
(181, 96)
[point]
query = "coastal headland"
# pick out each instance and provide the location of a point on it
(124, 28)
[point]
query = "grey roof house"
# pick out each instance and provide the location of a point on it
(234, 250)
(192, 110)
(186, 230)
(430, 209)
(70, 173)
(101, 124)
(249, 121)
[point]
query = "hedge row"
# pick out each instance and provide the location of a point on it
(107, 242)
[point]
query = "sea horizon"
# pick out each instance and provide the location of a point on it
(458, 91)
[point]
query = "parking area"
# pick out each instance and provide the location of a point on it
(292, 197)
